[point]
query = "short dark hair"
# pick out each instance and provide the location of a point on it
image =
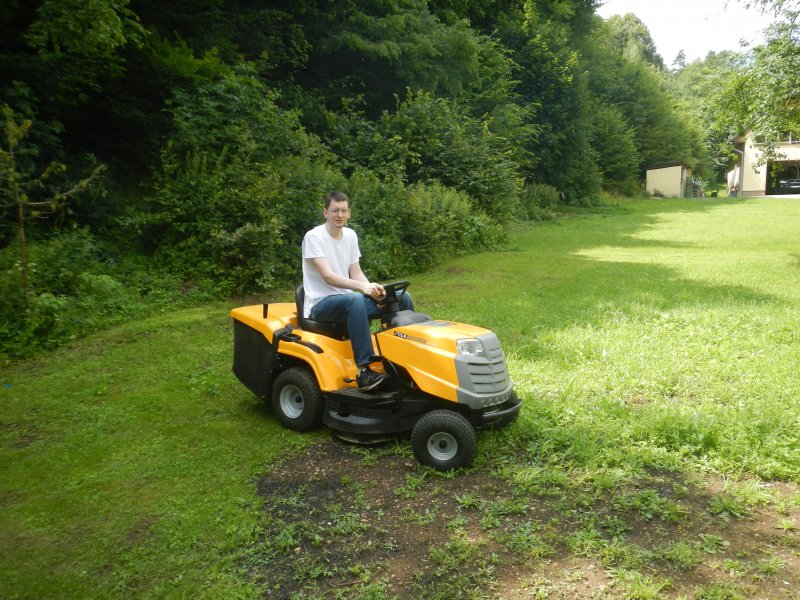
(336, 197)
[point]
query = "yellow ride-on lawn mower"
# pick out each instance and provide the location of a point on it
(444, 378)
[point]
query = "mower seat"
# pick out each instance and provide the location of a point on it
(332, 329)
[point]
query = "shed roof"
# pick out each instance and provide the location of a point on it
(666, 165)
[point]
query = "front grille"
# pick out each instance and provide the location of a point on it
(488, 377)
(487, 374)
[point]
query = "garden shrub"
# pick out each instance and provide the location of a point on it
(409, 229)
(379, 210)
(71, 294)
(58, 263)
(434, 139)
(615, 148)
(539, 200)
(240, 183)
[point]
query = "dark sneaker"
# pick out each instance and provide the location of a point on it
(368, 379)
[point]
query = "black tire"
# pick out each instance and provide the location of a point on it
(296, 399)
(444, 440)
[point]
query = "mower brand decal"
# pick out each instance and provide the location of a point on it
(411, 338)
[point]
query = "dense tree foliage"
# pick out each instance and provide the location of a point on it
(764, 94)
(223, 123)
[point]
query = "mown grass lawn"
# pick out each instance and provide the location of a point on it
(669, 327)
(653, 341)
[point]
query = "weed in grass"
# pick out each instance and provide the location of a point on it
(680, 555)
(367, 591)
(637, 586)
(750, 492)
(625, 556)
(785, 506)
(342, 524)
(772, 566)
(586, 541)
(537, 480)
(787, 525)
(458, 550)
(469, 501)
(615, 527)
(733, 567)
(418, 517)
(712, 544)
(490, 521)
(650, 504)
(359, 497)
(462, 569)
(718, 591)
(412, 485)
(495, 512)
(306, 568)
(285, 538)
(523, 539)
(369, 457)
(607, 479)
(457, 523)
(674, 512)
(361, 571)
(727, 508)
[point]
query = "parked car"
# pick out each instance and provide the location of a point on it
(791, 186)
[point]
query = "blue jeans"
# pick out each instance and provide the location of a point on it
(355, 310)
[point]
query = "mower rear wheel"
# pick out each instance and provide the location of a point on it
(444, 440)
(296, 399)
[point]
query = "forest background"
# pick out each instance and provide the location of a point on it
(164, 153)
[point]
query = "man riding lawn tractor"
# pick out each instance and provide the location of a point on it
(318, 362)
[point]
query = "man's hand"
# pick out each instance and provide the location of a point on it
(374, 291)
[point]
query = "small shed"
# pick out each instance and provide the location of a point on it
(671, 180)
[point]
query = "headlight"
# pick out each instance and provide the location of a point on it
(470, 347)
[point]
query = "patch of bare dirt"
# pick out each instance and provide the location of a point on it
(347, 522)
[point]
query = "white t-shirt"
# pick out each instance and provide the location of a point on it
(340, 254)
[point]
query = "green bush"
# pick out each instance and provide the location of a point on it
(240, 183)
(71, 294)
(408, 229)
(434, 139)
(617, 156)
(538, 201)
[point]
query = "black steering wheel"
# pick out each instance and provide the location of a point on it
(394, 290)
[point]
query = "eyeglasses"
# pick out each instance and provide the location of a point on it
(339, 211)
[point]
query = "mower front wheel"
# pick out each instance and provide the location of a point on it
(296, 399)
(444, 440)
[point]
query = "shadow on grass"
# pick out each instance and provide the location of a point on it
(566, 273)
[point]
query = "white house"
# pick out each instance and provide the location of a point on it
(778, 176)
